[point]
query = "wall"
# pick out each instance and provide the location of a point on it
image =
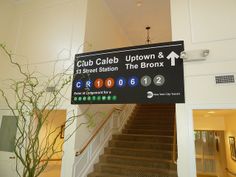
(102, 32)
(39, 41)
(209, 123)
(44, 35)
(230, 123)
(7, 14)
(203, 25)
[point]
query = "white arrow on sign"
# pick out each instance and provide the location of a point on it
(172, 56)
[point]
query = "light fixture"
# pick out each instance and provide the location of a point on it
(195, 55)
(211, 112)
(139, 3)
(148, 41)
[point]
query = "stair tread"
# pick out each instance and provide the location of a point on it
(138, 158)
(145, 169)
(105, 174)
(130, 141)
(149, 130)
(142, 150)
(150, 127)
(143, 135)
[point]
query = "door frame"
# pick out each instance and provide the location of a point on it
(185, 135)
(8, 157)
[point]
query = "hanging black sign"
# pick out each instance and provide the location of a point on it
(141, 74)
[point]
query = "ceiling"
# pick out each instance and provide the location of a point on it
(214, 112)
(134, 15)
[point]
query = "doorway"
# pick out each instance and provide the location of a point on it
(8, 131)
(215, 132)
(55, 121)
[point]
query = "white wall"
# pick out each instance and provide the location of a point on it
(42, 33)
(203, 25)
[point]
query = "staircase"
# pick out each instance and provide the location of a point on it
(144, 149)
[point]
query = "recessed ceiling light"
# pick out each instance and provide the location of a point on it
(139, 3)
(211, 112)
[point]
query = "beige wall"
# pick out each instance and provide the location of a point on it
(53, 170)
(230, 123)
(102, 32)
(209, 123)
(7, 14)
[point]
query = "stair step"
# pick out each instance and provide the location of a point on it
(134, 171)
(156, 106)
(152, 120)
(139, 152)
(138, 161)
(153, 116)
(149, 122)
(144, 148)
(97, 174)
(159, 108)
(152, 111)
(149, 118)
(156, 110)
(140, 145)
(144, 138)
(149, 127)
(148, 132)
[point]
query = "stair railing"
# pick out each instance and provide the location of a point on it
(174, 153)
(97, 131)
(51, 160)
(88, 155)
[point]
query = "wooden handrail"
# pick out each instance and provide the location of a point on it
(50, 160)
(97, 131)
(174, 156)
(230, 172)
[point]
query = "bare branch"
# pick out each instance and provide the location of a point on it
(37, 140)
